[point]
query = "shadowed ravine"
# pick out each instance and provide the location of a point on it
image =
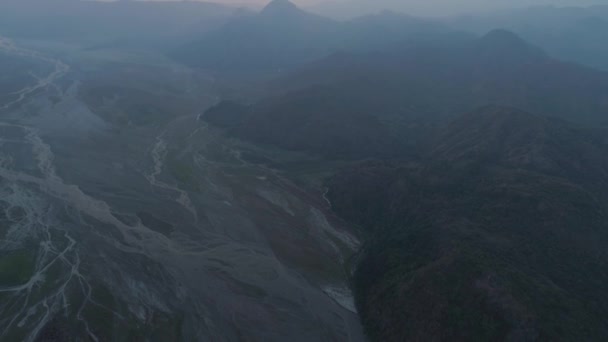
(161, 231)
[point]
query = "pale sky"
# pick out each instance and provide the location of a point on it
(449, 7)
(414, 7)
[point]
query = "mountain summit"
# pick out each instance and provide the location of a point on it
(501, 45)
(280, 7)
(280, 36)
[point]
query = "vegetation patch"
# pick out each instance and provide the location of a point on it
(16, 267)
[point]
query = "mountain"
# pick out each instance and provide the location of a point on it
(317, 119)
(282, 8)
(497, 233)
(280, 36)
(283, 36)
(504, 46)
(385, 103)
(487, 226)
(577, 34)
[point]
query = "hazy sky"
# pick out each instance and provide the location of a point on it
(415, 7)
(443, 7)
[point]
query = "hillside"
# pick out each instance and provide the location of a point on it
(323, 120)
(385, 103)
(498, 234)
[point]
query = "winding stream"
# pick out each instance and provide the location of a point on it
(100, 240)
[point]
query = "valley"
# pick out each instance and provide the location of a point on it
(194, 171)
(115, 227)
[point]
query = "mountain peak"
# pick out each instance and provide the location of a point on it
(501, 36)
(280, 7)
(503, 45)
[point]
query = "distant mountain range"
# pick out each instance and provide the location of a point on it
(384, 103)
(577, 34)
(476, 166)
(282, 36)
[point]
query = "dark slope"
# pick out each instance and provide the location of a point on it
(498, 235)
(497, 229)
(384, 103)
(515, 139)
(318, 119)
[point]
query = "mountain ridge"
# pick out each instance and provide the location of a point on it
(478, 247)
(398, 97)
(286, 36)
